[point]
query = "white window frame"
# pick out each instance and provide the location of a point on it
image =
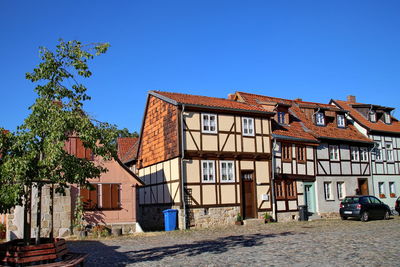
(381, 188)
(340, 187)
(208, 122)
(207, 171)
(392, 187)
(378, 152)
(281, 117)
(334, 153)
(328, 190)
(389, 151)
(341, 122)
(230, 175)
(249, 126)
(372, 116)
(387, 118)
(354, 153)
(320, 118)
(363, 154)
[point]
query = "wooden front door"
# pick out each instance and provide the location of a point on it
(363, 186)
(248, 195)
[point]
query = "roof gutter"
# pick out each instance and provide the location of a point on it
(346, 140)
(290, 138)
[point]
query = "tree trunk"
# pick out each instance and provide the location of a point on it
(39, 215)
(27, 215)
(52, 212)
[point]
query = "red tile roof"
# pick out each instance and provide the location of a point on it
(303, 127)
(394, 127)
(127, 148)
(210, 102)
(295, 129)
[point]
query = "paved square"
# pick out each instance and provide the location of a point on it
(318, 243)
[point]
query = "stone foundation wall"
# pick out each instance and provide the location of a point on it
(209, 217)
(288, 216)
(330, 215)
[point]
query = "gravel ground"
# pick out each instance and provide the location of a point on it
(316, 243)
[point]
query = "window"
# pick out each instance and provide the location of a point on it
(248, 126)
(364, 154)
(340, 121)
(392, 189)
(279, 190)
(89, 197)
(389, 151)
(381, 189)
(208, 171)
(301, 153)
(340, 190)
(378, 152)
(281, 117)
(227, 171)
(110, 196)
(319, 118)
(209, 123)
(291, 189)
(334, 152)
(387, 118)
(74, 146)
(372, 116)
(354, 153)
(286, 152)
(328, 190)
(101, 196)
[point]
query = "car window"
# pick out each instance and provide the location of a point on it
(365, 200)
(351, 200)
(375, 200)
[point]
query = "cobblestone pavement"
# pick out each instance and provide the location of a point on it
(317, 243)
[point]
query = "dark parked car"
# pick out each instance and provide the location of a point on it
(397, 205)
(364, 208)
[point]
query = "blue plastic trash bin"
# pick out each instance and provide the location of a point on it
(170, 216)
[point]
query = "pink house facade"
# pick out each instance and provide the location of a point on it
(112, 200)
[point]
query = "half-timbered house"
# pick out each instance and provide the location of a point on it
(207, 157)
(293, 156)
(342, 162)
(377, 123)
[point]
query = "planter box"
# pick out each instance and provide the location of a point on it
(392, 195)
(14, 252)
(382, 196)
(239, 222)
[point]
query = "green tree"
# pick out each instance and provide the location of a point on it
(125, 133)
(34, 155)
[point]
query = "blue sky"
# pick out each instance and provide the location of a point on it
(316, 50)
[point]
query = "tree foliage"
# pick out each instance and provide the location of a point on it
(35, 154)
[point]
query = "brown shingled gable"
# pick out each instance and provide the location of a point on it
(394, 127)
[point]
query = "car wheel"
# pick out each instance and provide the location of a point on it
(343, 217)
(386, 216)
(364, 216)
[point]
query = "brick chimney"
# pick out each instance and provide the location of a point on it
(351, 99)
(298, 99)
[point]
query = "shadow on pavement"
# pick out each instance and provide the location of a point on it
(101, 254)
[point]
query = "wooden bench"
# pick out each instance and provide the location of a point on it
(14, 253)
